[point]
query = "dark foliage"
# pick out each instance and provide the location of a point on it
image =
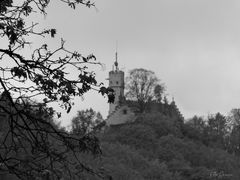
(31, 145)
(176, 151)
(143, 86)
(87, 122)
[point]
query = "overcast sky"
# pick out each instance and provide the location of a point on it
(193, 46)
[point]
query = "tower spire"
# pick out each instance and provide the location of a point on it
(116, 57)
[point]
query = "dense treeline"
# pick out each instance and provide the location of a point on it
(161, 146)
(216, 131)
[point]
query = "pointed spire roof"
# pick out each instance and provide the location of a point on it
(116, 58)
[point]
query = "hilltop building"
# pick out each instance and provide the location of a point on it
(125, 111)
(119, 111)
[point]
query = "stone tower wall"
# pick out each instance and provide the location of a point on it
(116, 82)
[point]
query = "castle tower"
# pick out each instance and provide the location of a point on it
(116, 82)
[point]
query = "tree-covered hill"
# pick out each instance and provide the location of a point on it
(157, 146)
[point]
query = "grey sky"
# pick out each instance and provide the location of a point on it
(192, 45)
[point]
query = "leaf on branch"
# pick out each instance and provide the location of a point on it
(84, 59)
(19, 72)
(53, 32)
(20, 24)
(13, 38)
(44, 46)
(69, 108)
(11, 34)
(38, 79)
(64, 98)
(88, 4)
(76, 55)
(109, 92)
(103, 90)
(27, 10)
(91, 56)
(72, 5)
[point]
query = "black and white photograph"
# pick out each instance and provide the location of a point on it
(119, 90)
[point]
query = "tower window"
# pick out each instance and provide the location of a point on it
(116, 82)
(124, 111)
